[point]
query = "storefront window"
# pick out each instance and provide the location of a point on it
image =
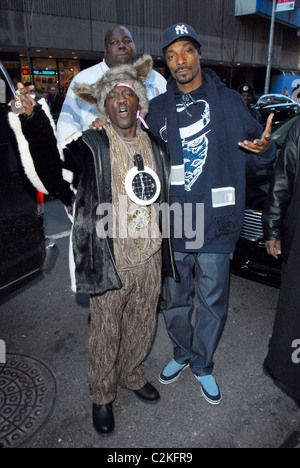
(49, 74)
(67, 70)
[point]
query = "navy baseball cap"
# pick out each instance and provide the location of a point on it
(246, 89)
(178, 31)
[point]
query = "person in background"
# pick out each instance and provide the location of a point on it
(285, 92)
(281, 223)
(247, 93)
(55, 102)
(119, 48)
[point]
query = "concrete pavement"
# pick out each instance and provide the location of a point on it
(45, 326)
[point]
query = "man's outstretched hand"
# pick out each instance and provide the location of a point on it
(259, 146)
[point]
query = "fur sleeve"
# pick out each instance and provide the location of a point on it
(40, 155)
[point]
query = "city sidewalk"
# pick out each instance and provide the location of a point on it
(45, 328)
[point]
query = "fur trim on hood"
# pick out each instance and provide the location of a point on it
(134, 75)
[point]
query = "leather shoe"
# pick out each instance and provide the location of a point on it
(148, 394)
(103, 418)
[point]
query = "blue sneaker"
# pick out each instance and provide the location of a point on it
(209, 389)
(172, 372)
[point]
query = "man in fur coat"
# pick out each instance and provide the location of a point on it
(91, 174)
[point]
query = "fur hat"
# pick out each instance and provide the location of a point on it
(132, 74)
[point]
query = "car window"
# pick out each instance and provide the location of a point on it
(6, 86)
(270, 100)
(263, 101)
(280, 100)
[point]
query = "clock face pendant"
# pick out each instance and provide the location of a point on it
(142, 187)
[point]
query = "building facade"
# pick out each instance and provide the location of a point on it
(49, 41)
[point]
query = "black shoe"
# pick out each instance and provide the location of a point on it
(148, 394)
(103, 418)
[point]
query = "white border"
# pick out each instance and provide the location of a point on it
(128, 186)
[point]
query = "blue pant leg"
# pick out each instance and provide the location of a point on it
(179, 307)
(212, 279)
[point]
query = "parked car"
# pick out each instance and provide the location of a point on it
(282, 106)
(23, 246)
(251, 259)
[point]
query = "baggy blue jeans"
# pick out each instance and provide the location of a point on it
(207, 276)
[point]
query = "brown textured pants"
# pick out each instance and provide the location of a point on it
(121, 332)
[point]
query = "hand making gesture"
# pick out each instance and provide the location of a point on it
(259, 146)
(23, 103)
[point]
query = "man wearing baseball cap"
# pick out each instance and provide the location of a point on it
(177, 32)
(247, 93)
(211, 137)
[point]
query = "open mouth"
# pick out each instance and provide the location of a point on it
(123, 112)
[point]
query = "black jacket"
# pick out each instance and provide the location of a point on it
(80, 176)
(283, 200)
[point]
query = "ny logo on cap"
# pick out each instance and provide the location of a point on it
(181, 29)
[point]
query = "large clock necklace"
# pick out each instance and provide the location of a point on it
(141, 183)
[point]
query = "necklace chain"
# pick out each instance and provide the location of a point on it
(140, 144)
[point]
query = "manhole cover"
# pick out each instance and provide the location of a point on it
(293, 441)
(27, 398)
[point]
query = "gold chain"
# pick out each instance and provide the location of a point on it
(122, 165)
(123, 169)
